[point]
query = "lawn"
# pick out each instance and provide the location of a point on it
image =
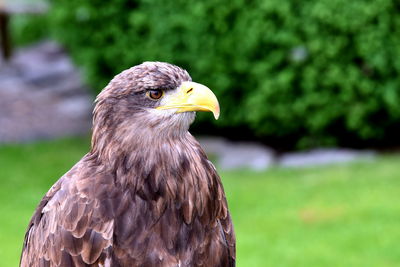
(342, 215)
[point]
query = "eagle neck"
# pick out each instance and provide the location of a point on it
(170, 172)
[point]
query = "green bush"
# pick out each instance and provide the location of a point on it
(28, 28)
(303, 73)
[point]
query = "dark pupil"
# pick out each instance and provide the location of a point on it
(156, 94)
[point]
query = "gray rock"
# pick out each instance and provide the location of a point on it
(75, 107)
(323, 156)
(255, 156)
(232, 155)
(213, 145)
(42, 96)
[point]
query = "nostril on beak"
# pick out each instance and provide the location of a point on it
(188, 91)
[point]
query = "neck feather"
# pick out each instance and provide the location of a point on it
(164, 169)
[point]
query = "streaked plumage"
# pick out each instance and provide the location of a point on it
(145, 194)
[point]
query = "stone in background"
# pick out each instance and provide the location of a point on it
(255, 156)
(42, 96)
(233, 155)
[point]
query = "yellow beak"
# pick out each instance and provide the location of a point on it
(191, 96)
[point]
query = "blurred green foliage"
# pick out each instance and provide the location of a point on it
(304, 73)
(29, 28)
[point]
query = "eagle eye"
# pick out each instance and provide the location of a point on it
(154, 94)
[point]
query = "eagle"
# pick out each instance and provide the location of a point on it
(145, 194)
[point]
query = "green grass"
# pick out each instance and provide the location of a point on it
(342, 215)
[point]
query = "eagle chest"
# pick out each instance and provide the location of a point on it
(162, 232)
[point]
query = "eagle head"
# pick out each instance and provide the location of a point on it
(155, 93)
(146, 101)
